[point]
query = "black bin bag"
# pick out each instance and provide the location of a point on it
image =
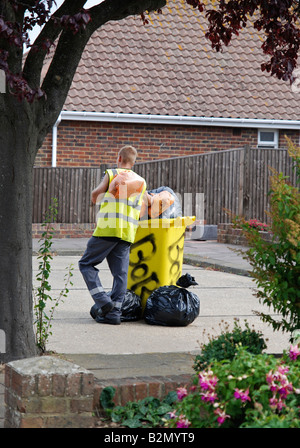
(131, 309)
(171, 306)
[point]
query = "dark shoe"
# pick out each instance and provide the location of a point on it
(105, 309)
(108, 320)
(95, 311)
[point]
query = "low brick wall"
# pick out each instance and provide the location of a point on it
(48, 392)
(229, 235)
(134, 389)
(65, 230)
(75, 230)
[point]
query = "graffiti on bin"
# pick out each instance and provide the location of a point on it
(145, 278)
(149, 247)
(145, 290)
(144, 249)
(175, 255)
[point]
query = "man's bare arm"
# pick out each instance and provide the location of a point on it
(98, 192)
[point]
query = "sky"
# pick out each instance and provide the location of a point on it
(34, 33)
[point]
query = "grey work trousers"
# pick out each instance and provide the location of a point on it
(116, 252)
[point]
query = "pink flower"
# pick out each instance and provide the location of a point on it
(207, 381)
(276, 404)
(283, 369)
(221, 416)
(279, 376)
(281, 404)
(273, 402)
(181, 393)
(209, 396)
(273, 387)
(257, 224)
(294, 352)
(285, 389)
(183, 422)
(269, 377)
(204, 384)
(280, 385)
(242, 395)
(172, 414)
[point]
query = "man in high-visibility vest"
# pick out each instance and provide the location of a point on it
(122, 192)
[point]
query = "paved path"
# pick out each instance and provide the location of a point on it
(202, 253)
(139, 349)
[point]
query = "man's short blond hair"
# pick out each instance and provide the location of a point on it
(128, 154)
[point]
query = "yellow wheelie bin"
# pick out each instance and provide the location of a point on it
(156, 256)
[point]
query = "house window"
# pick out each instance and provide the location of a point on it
(267, 138)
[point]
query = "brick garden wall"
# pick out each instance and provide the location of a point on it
(46, 392)
(227, 234)
(49, 392)
(93, 143)
(65, 230)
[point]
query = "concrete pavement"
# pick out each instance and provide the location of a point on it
(223, 295)
(199, 253)
(136, 349)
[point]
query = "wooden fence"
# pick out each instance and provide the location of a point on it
(207, 184)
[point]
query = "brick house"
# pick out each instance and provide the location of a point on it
(162, 88)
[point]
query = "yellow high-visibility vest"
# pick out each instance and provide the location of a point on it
(119, 217)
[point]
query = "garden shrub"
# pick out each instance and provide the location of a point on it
(248, 391)
(224, 346)
(276, 263)
(149, 412)
(261, 226)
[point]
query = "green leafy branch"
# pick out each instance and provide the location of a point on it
(276, 264)
(149, 412)
(41, 294)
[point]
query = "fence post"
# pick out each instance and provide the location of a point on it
(246, 182)
(241, 182)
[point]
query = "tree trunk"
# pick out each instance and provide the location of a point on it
(23, 127)
(17, 143)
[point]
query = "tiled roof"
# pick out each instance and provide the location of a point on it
(167, 67)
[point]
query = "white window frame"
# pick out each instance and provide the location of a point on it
(264, 144)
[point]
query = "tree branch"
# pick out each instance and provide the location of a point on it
(49, 33)
(59, 77)
(118, 10)
(11, 40)
(70, 48)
